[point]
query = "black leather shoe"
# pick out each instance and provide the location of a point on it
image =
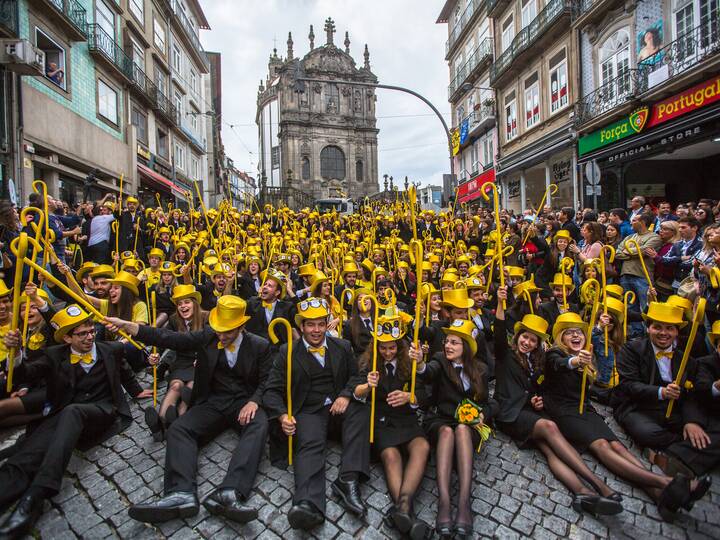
(225, 502)
(23, 518)
(388, 517)
(420, 531)
(702, 487)
(597, 505)
(180, 504)
(154, 422)
(675, 495)
(305, 516)
(349, 493)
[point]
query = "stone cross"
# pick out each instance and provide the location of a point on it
(329, 30)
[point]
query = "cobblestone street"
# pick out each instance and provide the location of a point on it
(515, 496)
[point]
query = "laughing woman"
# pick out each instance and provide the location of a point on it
(458, 379)
(563, 379)
(519, 372)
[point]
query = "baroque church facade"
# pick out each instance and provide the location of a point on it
(319, 135)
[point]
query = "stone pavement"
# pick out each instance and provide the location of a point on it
(515, 496)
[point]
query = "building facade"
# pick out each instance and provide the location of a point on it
(320, 136)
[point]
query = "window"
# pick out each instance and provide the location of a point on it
(332, 98)
(107, 102)
(508, 33)
(474, 158)
(138, 54)
(510, 117)
(194, 120)
(176, 59)
(178, 101)
(54, 58)
(488, 151)
(332, 163)
(161, 80)
(105, 18)
(689, 15)
(163, 143)
(193, 81)
(529, 12)
(305, 168)
(359, 172)
(179, 156)
(194, 168)
(159, 35)
(614, 66)
(139, 120)
(532, 101)
(460, 114)
(137, 8)
(558, 82)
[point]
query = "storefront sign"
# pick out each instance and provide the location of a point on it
(561, 171)
(142, 152)
(680, 137)
(513, 189)
(613, 133)
(464, 130)
(472, 189)
(690, 100)
(455, 142)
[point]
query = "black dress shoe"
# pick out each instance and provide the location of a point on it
(23, 518)
(171, 415)
(305, 516)
(597, 505)
(154, 422)
(180, 504)
(702, 487)
(615, 496)
(420, 531)
(349, 493)
(675, 495)
(225, 502)
(388, 517)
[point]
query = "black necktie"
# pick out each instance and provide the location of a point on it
(368, 324)
(390, 370)
(458, 370)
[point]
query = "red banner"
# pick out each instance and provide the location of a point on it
(691, 99)
(471, 189)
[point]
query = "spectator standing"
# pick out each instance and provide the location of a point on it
(100, 232)
(680, 256)
(565, 217)
(664, 272)
(619, 218)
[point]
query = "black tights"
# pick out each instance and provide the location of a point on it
(456, 443)
(402, 485)
(564, 461)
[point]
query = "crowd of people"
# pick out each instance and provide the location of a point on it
(398, 332)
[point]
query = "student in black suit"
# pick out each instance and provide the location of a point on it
(707, 396)
(456, 374)
(324, 376)
(219, 284)
(349, 276)
(86, 403)
(397, 431)
(518, 390)
(358, 329)
(230, 377)
(552, 309)
(561, 396)
(132, 223)
(270, 304)
(647, 369)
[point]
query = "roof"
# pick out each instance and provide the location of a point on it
(200, 14)
(445, 11)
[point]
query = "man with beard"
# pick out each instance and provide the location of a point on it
(349, 277)
(220, 284)
(132, 223)
(270, 303)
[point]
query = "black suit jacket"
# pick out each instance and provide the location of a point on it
(550, 311)
(258, 323)
(342, 362)
(126, 242)
(253, 357)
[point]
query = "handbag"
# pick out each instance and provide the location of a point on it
(689, 288)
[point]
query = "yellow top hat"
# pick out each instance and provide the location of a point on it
(317, 279)
(428, 288)
(312, 308)
(368, 265)
(349, 268)
(84, 269)
(157, 252)
(277, 277)
(563, 280)
(110, 205)
(220, 269)
(449, 278)
(168, 267)
(528, 285)
(567, 320)
(474, 283)
(228, 314)
(134, 264)
(595, 263)
(616, 307)
(132, 199)
(474, 248)
(181, 292)
(127, 280)
(515, 271)
(683, 303)
(463, 259)
(457, 298)
(615, 290)
(307, 269)
(426, 266)
(66, 319)
(562, 233)
(466, 330)
(665, 313)
(102, 270)
(714, 335)
(162, 230)
(389, 328)
(533, 324)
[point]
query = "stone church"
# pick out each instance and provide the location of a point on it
(319, 136)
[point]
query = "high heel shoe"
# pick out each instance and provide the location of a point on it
(701, 488)
(463, 530)
(675, 495)
(444, 529)
(403, 514)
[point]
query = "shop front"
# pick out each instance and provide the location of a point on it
(667, 150)
(470, 192)
(154, 185)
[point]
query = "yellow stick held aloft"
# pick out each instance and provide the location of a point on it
(288, 385)
(552, 189)
(417, 248)
(640, 255)
(588, 341)
(19, 247)
(376, 308)
(498, 244)
(153, 318)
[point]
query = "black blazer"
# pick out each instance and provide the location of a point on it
(364, 337)
(640, 379)
(395, 416)
(253, 356)
(258, 323)
(550, 311)
(435, 337)
(708, 371)
(342, 361)
(126, 242)
(561, 385)
(246, 286)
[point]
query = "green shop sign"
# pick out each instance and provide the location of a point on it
(627, 127)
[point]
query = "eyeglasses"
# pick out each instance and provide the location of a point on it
(85, 333)
(574, 332)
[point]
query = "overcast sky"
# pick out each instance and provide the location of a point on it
(406, 49)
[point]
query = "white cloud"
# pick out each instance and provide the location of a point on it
(406, 49)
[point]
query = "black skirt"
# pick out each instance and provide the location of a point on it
(434, 422)
(521, 429)
(584, 429)
(393, 432)
(184, 374)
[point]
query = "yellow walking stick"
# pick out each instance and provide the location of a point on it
(288, 376)
(41, 187)
(566, 264)
(642, 259)
(116, 229)
(610, 259)
(376, 309)
(628, 298)
(153, 319)
(552, 189)
(39, 228)
(498, 245)
(417, 250)
(698, 318)
(588, 341)
(120, 193)
(137, 234)
(19, 247)
(528, 297)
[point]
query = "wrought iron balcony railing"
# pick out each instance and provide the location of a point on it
(528, 35)
(471, 9)
(142, 84)
(580, 7)
(614, 93)
(73, 12)
(100, 42)
(165, 107)
(9, 17)
(190, 33)
(481, 53)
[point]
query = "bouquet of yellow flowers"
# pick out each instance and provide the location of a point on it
(468, 412)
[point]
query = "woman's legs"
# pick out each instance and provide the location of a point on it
(444, 457)
(182, 407)
(418, 450)
(464, 455)
(11, 406)
(392, 464)
(562, 472)
(172, 396)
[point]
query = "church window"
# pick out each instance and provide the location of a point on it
(359, 176)
(332, 98)
(305, 168)
(332, 163)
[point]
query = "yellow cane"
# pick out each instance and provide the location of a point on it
(19, 247)
(588, 341)
(41, 187)
(288, 376)
(552, 189)
(120, 193)
(610, 259)
(39, 228)
(566, 265)
(417, 250)
(498, 245)
(137, 234)
(116, 229)
(376, 309)
(641, 257)
(698, 318)
(153, 318)
(628, 298)
(528, 298)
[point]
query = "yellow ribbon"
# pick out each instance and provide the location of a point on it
(317, 350)
(84, 358)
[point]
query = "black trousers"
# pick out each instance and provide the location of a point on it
(310, 442)
(99, 253)
(199, 425)
(43, 456)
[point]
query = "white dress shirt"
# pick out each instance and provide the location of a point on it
(232, 356)
(664, 365)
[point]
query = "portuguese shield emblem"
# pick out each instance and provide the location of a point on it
(638, 119)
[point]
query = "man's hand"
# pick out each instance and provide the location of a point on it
(584, 358)
(147, 393)
(696, 435)
(671, 391)
(247, 413)
(154, 359)
(398, 398)
(12, 339)
(289, 425)
(340, 405)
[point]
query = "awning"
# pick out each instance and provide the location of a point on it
(472, 189)
(160, 181)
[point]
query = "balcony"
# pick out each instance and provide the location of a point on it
(531, 39)
(678, 65)
(143, 87)
(73, 17)
(103, 47)
(480, 58)
(9, 19)
(463, 23)
(164, 107)
(495, 7)
(191, 37)
(586, 12)
(482, 119)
